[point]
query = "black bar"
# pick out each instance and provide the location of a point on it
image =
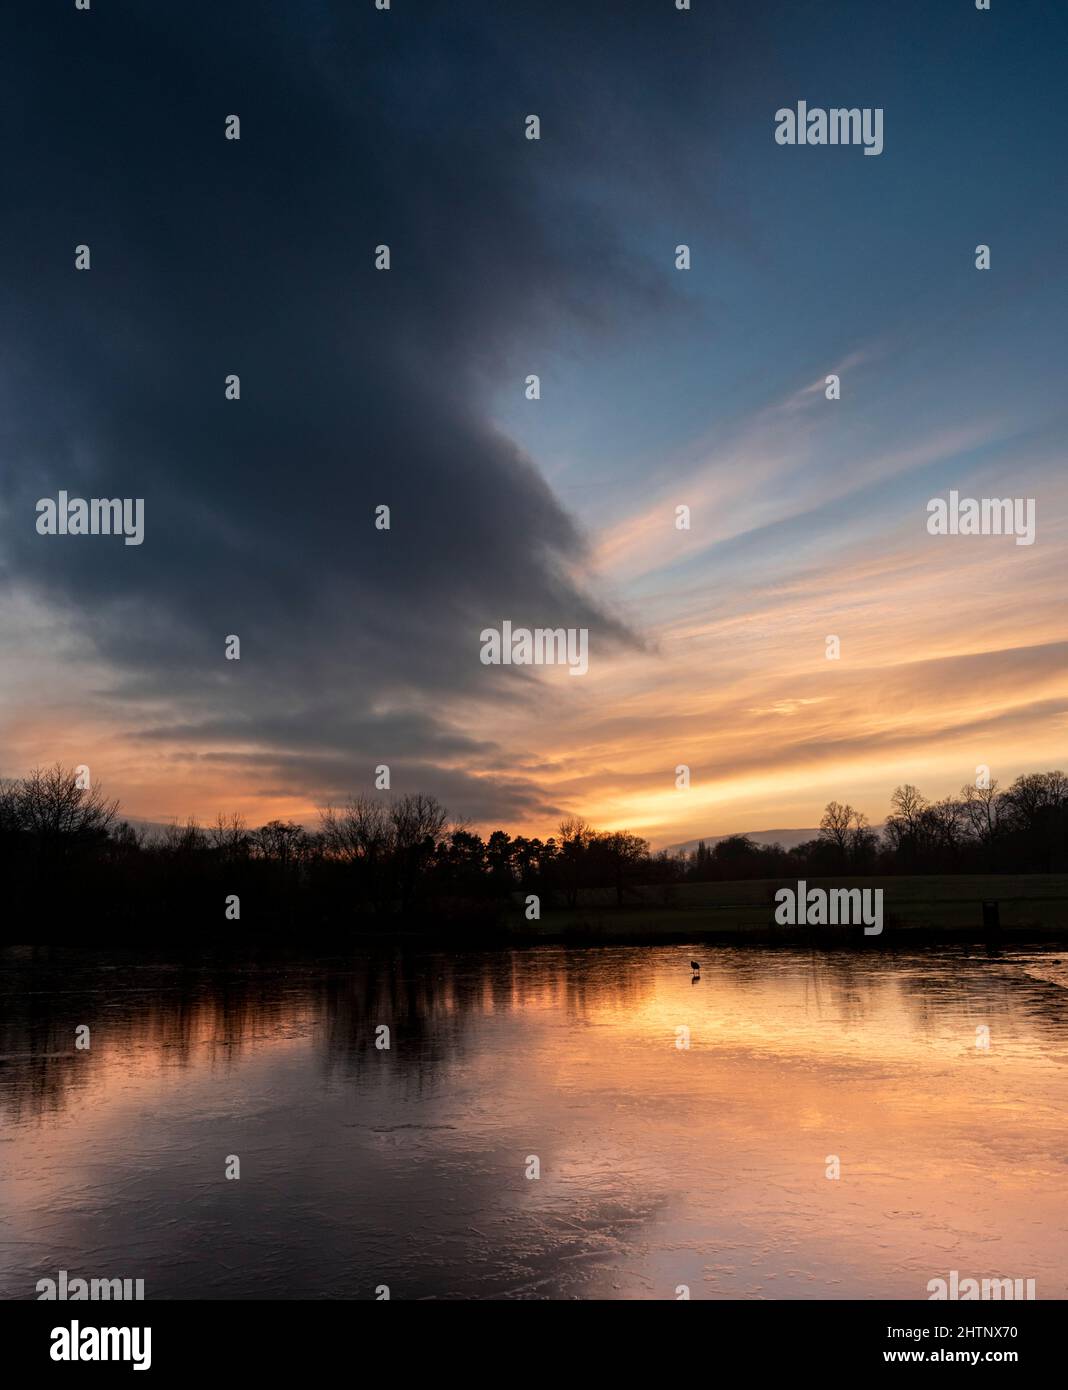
(798, 1338)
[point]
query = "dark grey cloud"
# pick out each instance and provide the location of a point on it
(358, 387)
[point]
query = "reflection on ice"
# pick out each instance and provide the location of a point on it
(659, 1165)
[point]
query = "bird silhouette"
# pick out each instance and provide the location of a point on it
(695, 966)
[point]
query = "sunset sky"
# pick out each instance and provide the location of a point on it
(659, 388)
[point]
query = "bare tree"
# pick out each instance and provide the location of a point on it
(361, 830)
(10, 811)
(908, 804)
(180, 840)
(836, 825)
(281, 841)
(576, 835)
(904, 825)
(945, 822)
(229, 836)
(574, 830)
(416, 820)
(984, 810)
(1032, 796)
(50, 804)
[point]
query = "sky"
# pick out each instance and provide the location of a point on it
(659, 388)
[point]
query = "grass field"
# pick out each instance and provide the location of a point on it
(935, 907)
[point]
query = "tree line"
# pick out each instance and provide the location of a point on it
(1022, 828)
(66, 851)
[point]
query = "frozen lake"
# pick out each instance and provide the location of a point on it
(661, 1165)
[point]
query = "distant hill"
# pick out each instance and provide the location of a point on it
(786, 838)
